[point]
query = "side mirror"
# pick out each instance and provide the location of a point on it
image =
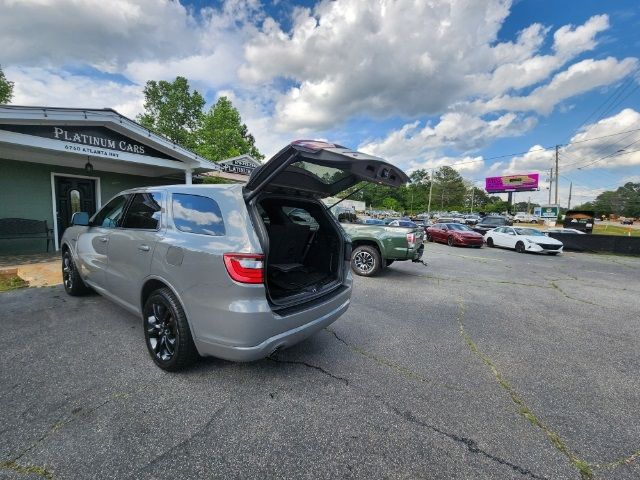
(80, 218)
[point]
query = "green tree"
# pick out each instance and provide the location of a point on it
(391, 204)
(223, 135)
(173, 110)
(449, 190)
(6, 88)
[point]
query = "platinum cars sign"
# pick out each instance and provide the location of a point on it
(93, 139)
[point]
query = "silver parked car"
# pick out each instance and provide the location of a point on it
(229, 271)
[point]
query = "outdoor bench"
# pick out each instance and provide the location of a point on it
(18, 228)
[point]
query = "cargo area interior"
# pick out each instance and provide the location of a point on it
(305, 251)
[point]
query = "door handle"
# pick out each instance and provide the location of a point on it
(144, 248)
(104, 239)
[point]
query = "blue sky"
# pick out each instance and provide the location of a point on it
(423, 85)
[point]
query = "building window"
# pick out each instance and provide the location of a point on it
(74, 201)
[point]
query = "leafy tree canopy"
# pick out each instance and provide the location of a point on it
(223, 135)
(173, 110)
(6, 88)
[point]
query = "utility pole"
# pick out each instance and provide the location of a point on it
(570, 188)
(430, 190)
(473, 192)
(557, 173)
(529, 206)
(550, 184)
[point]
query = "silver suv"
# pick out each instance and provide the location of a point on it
(229, 271)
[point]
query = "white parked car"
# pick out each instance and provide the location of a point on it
(522, 217)
(523, 240)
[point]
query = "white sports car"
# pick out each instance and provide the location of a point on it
(523, 240)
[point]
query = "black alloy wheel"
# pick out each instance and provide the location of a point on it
(71, 280)
(167, 332)
(450, 241)
(520, 247)
(490, 242)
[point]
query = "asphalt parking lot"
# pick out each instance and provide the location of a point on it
(485, 364)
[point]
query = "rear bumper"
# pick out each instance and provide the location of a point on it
(255, 335)
(280, 341)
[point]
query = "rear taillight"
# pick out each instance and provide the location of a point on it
(411, 239)
(245, 267)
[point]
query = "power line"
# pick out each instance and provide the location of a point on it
(611, 98)
(601, 150)
(614, 154)
(543, 149)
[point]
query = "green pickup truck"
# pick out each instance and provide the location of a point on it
(377, 246)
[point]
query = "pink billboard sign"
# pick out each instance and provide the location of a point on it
(512, 183)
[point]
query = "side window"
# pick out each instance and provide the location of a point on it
(197, 214)
(109, 216)
(144, 211)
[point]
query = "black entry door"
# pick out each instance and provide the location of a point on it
(73, 195)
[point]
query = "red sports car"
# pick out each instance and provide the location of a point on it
(454, 234)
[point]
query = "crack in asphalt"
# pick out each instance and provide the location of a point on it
(471, 445)
(380, 360)
(191, 437)
(555, 286)
(42, 471)
(309, 365)
(584, 468)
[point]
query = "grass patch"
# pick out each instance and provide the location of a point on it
(27, 469)
(11, 282)
(622, 230)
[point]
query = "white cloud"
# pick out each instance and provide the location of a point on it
(461, 131)
(55, 88)
(608, 150)
(349, 57)
(578, 78)
(103, 34)
(465, 165)
(141, 39)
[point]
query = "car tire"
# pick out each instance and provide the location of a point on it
(490, 242)
(429, 237)
(389, 262)
(450, 241)
(71, 280)
(520, 247)
(166, 331)
(534, 221)
(365, 261)
(516, 221)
